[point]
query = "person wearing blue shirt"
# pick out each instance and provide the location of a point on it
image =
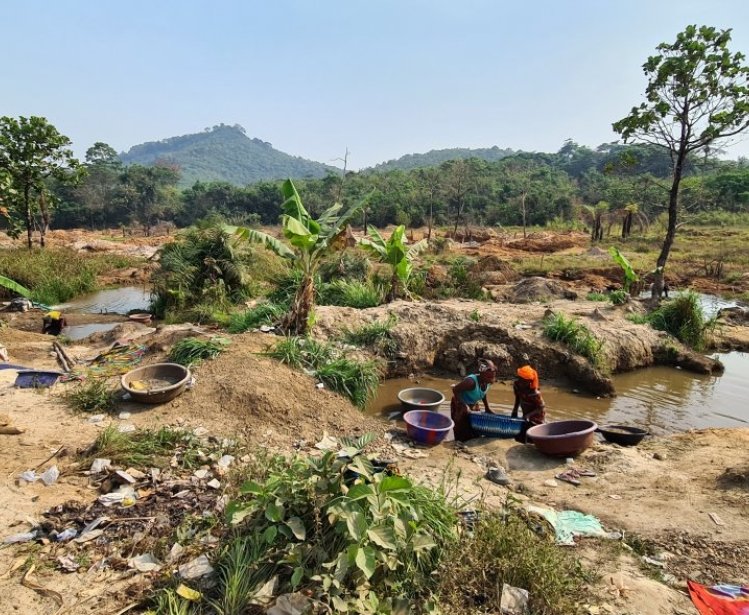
(466, 397)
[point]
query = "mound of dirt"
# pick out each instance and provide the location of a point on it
(548, 242)
(267, 401)
(534, 289)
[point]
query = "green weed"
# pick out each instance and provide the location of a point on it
(93, 396)
(375, 335)
(596, 296)
(143, 448)
(576, 336)
(618, 297)
(683, 318)
(192, 350)
(262, 314)
(351, 293)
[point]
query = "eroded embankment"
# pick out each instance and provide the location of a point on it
(452, 335)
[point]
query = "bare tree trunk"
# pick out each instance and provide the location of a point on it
(29, 217)
(394, 287)
(45, 219)
(431, 217)
(668, 241)
(522, 206)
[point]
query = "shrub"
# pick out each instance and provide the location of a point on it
(503, 549)
(358, 540)
(576, 336)
(596, 296)
(618, 297)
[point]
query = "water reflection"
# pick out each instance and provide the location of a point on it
(114, 300)
(662, 399)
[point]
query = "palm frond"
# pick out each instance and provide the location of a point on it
(270, 242)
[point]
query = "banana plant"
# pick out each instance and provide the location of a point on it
(15, 287)
(630, 276)
(396, 253)
(309, 242)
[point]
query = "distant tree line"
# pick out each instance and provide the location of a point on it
(611, 186)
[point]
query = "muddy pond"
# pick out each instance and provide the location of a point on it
(663, 399)
(111, 301)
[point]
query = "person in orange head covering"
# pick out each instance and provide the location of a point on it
(528, 399)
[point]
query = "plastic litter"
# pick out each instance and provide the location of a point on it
(97, 418)
(66, 534)
(144, 563)
(225, 462)
(569, 523)
(197, 568)
(23, 537)
(99, 465)
(291, 604)
(50, 476)
(188, 593)
(514, 600)
(67, 563)
(29, 476)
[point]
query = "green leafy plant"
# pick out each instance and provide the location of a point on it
(358, 540)
(310, 242)
(396, 253)
(143, 448)
(14, 287)
(596, 296)
(630, 276)
(618, 297)
(351, 293)
(475, 315)
(192, 350)
(576, 336)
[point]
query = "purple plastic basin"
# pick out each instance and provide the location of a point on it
(563, 438)
(427, 427)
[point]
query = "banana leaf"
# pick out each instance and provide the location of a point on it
(15, 287)
(630, 277)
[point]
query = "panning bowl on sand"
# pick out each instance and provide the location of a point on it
(418, 398)
(563, 438)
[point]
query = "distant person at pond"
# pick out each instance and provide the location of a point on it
(466, 397)
(53, 323)
(528, 399)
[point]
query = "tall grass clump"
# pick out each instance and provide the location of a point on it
(576, 336)
(357, 380)
(596, 296)
(266, 313)
(56, 275)
(192, 350)
(143, 448)
(376, 335)
(683, 318)
(93, 396)
(502, 549)
(351, 293)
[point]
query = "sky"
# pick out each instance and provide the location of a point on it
(316, 78)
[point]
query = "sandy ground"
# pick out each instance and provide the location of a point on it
(661, 494)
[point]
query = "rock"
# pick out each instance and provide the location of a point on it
(659, 456)
(214, 484)
(498, 475)
(514, 600)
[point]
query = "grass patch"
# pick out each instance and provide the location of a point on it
(357, 380)
(595, 296)
(192, 350)
(638, 319)
(576, 336)
(262, 314)
(145, 448)
(95, 396)
(618, 297)
(351, 293)
(375, 335)
(503, 549)
(683, 318)
(57, 275)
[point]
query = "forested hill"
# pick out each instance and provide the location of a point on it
(224, 153)
(436, 157)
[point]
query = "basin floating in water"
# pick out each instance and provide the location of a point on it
(427, 427)
(418, 398)
(563, 438)
(624, 435)
(157, 383)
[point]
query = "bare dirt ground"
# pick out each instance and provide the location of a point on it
(661, 494)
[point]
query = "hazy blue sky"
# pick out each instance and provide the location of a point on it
(383, 78)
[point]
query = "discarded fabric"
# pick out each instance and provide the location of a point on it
(719, 599)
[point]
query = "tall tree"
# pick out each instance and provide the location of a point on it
(148, 193)
(32, 151)
(697, 95)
